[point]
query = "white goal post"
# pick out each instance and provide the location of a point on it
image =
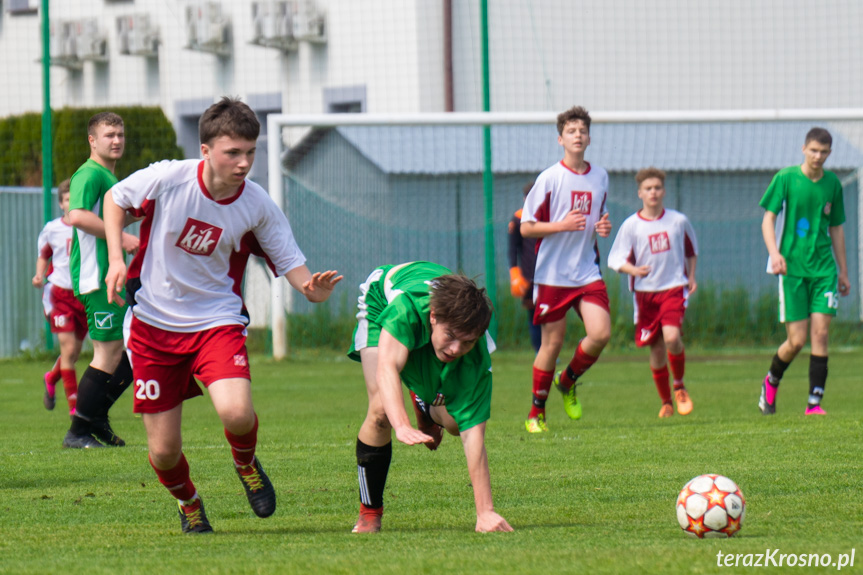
(281, 298)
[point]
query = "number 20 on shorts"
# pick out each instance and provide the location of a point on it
(147, 389)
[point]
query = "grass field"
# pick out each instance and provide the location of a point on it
(593, 496)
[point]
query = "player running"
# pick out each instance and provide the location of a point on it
(202, 219)
(65, 314)
(566, 210)
(420, 324)
(657, 248)
(802, 229)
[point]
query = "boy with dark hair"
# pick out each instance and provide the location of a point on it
(657, 248)
(802, 229)
(201, 221)
(65, 314)
(566, 210)
(109, 373)
(522, 263)
(420, 324)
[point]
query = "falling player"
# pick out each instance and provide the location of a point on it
(657, 247)
(566, 211)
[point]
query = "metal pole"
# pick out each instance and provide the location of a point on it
(487, 178)
(47, 136)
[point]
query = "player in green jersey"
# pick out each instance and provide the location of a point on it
(109, 374)
(803, 232)
(420, 324)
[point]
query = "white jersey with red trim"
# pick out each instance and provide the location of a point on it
(55, 244)
(663, 244)
(567, 259)
(194, 249)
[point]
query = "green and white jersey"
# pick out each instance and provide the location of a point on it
(396, 299)
(806, 211)
(88, 261)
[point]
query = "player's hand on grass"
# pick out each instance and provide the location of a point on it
(410, 436)
(574, 221)
(603, 226)
(115, 279)
(130, 243)
(319, 288)
(491, 521)
(778, 265)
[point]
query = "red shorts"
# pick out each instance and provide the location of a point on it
(66, 313)
(655, 309)
(552, 302)
(166, 363)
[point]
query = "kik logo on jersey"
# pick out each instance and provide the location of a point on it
(582, 202)
(659, 242)
(199, 238)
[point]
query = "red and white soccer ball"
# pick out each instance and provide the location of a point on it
(711, 506)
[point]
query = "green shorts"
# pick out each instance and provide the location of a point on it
(104, 320)
(371, 303)
(800, 297)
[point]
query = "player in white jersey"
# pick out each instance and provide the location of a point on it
(201, 221)
(658, 249)
(64, 312)
(566, 211)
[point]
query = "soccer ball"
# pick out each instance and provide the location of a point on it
(711, 506)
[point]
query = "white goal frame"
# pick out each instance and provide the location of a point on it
(281, 298)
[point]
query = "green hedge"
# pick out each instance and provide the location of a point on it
(149, 137)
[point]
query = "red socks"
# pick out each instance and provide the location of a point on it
(580, 363)
(677, 363)
(243, 446)
(70, 386)
(177, 480)
(54, 374)
(660, 378)
(541, 386)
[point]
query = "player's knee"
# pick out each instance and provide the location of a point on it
(380, 422)
(674, 343)
(165, 455)
(796, 343)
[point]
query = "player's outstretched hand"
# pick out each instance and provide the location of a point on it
(410, 436)
(603, 226)
(491, 521)
(574, 221)
(130, 243)
(319, 288)
(115, 279)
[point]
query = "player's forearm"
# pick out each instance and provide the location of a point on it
(390, 385)
(41, 267)
(298, 276)
(768, 231)
(115, 219)
(690, 266)
(627, 268)
(473, 441)
(539, 229)
(837, 237)
(87, 221)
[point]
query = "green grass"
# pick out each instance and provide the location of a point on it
(593, 496)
